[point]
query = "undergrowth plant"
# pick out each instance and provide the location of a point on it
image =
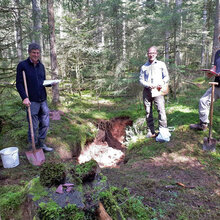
(11, 199)
(119, 204)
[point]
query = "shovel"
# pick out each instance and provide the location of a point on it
(210, 143)
(35, 156)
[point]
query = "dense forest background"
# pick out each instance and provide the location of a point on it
(100, 45)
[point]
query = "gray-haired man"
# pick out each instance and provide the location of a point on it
(37, 100)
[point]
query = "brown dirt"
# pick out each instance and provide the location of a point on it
(108, 148)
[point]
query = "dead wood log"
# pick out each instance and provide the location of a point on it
(102, 214)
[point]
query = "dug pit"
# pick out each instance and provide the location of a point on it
(107, 148)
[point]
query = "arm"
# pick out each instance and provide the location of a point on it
(20, 85)
(165, 77)
(144, 79)
(165, 74)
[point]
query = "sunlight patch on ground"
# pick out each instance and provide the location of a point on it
(104, 155)
(176, 158)
(95, 100)
(172, 159)
(180, 108)
(102, 102)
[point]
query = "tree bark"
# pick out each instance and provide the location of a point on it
(216, 44)
(37, 26)
(204, 36)
(18, 30)
(167, 36)
(53, 55)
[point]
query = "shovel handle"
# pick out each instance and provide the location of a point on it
(211, 108)
(29, 115)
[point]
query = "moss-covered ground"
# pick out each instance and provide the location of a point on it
(174, 180)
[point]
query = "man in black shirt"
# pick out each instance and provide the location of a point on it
(37, 100)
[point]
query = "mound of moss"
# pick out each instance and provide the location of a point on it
(52, 174)
(85, 172)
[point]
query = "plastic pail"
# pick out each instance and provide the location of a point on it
(10, 157)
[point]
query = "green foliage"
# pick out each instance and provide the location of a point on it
(52, 174)
(36, 189)
(13, 127)
(119, 204)
(111, 205)
(135, 208)
(52, 211)
(11, 198)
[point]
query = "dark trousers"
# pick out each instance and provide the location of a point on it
(40, 120)
(160, 105)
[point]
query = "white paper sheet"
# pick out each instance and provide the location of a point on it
(51, 81)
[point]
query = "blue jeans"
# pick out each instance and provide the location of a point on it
(40, 120)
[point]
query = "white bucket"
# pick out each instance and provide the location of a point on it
(10, 157)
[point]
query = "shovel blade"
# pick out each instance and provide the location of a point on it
(209, 144)
(36, 158)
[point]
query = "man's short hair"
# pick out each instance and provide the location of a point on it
(33, 46)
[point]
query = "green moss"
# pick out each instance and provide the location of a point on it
(111, 205)
(52, 174)
(11, 198)
(37, 190)
(85, 171)
(52, 211)
(120, 205)
(135, 208)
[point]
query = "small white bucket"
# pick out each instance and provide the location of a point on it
(10, 157)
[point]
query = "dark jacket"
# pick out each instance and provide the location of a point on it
(35, 76)
(217, 64)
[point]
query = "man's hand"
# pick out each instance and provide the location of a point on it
(159, 87)
(209, 75)
(26, 102)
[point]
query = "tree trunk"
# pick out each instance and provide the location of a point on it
(18, 30)
(167, 36)
(53, 55)
(216, 44)
(124, 39)
(36, 11)
(204, 36)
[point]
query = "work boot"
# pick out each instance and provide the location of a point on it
(200, 126)
(43, 146)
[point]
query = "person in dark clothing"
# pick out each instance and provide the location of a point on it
(205, 100)
(37, 100)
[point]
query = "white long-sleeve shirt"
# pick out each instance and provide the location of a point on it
(154, 74)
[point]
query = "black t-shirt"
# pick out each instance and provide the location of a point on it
(217, 64)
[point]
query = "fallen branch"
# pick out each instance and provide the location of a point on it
(102, 214)
(195, 84)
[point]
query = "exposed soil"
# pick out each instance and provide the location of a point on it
(108, 148)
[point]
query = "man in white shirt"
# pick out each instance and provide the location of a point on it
(154, 77)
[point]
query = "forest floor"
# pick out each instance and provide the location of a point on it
(177, 179)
